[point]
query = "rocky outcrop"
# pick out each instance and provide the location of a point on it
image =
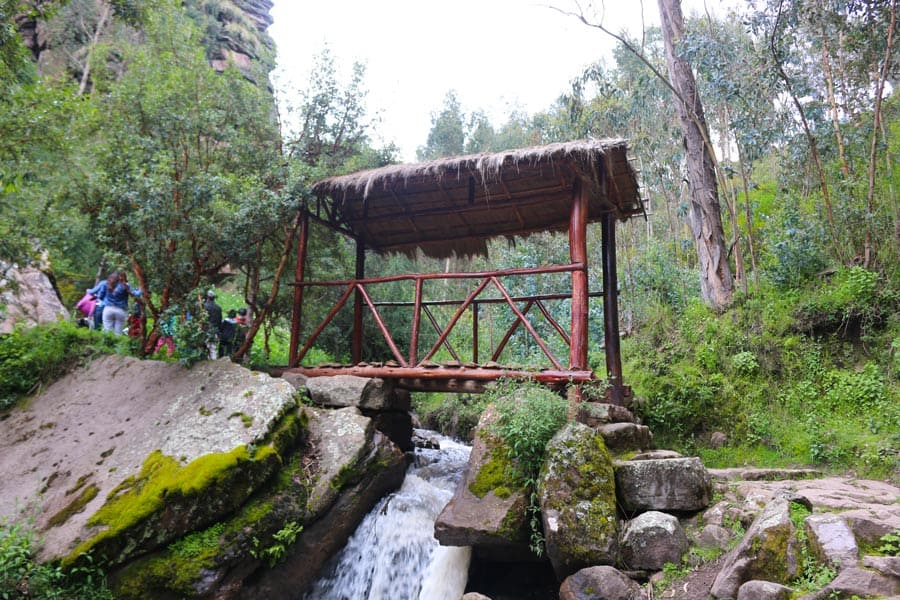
(28, 297)
(376, 398)
(578, 501)
(487, 510)
(190, 483)
(126, 455)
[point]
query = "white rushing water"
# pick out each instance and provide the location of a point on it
(393, 554)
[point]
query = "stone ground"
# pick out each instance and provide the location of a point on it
(874, 502)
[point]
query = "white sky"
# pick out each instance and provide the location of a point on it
(497, 54)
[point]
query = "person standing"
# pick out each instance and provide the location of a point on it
(115, 299)
(214, 322)
(96, 292)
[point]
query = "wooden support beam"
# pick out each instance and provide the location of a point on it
(611, 310)
(302, 242)
(578, 349)
(358, 301)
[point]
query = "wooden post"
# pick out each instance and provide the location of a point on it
(475, 332)
(358, 301)
(417, 318)
(578, 254)
(611, 310)
(298, 289)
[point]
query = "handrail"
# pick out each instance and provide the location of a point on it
(488, 278)
(427, 276)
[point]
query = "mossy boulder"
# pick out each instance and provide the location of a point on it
(578, 501)
(280, 538)
(769, 551)
(123, 456)
(488, 510)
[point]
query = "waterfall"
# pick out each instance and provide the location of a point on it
(393, 554)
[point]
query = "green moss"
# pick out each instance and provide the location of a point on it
(76, 505)
(161, 478)
(498, 474)
(347, 474)
(247, 420)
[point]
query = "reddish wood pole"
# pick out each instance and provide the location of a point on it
(358, 301)
(578, 254)
(611, 309)
(298, 289)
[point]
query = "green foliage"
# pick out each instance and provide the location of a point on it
(30, 357)
(197, 543)
(812, 575)
(21, 576)
(529, 415)
(782, 396)
(454, 415)
(890, 544)
(282, 539)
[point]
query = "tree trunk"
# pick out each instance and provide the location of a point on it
(716, 285)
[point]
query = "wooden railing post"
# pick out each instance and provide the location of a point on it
(578, 254)
(294, 359)
(358, 301)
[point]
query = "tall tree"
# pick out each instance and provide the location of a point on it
(448, 131)
(178, 152)
(716, 284)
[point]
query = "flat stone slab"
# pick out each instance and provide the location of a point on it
(97, 425)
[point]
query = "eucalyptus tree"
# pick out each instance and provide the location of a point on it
(740, 93)
(834, 61)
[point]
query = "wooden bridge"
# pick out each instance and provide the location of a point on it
(452, 207)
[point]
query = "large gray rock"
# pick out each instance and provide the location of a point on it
(674, 484)
(651, 540)
(769, 551)
(831, 540)
(625, 437)
(600, 583)
(349, 390)
(763, 590)
(594, 414)
(578, 504)
(164, 449)
(27, 297)
(487, 510)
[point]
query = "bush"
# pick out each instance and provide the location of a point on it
(22, 577)
(529, 415)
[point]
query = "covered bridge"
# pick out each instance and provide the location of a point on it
(452, 207)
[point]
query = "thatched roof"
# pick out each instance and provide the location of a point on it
(454, 205)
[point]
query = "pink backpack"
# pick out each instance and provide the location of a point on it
(86, 305)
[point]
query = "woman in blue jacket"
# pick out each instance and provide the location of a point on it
(115, 299)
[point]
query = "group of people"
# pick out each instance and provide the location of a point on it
(226, 335)
(105, 306)
(110, 302)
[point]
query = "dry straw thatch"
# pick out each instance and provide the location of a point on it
(454, 205)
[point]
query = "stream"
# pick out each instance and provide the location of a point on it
(393, 554)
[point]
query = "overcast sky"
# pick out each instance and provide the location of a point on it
(497, 54)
